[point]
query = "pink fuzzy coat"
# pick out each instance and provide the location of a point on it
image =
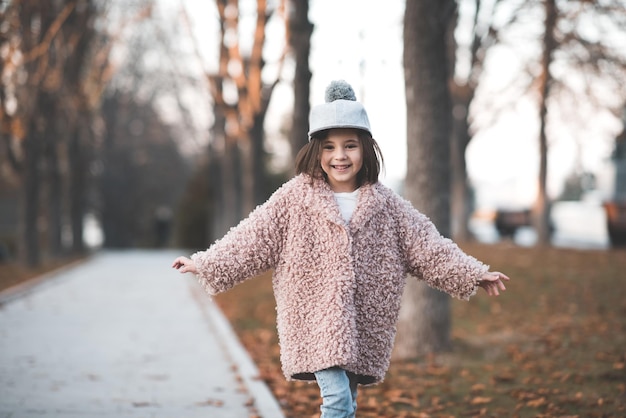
(337, 286)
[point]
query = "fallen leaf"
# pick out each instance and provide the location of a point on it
(211, 402)
(504, 377)
(535, 403)
(478, 387)
(480, 400)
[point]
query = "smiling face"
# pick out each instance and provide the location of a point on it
(342, 159)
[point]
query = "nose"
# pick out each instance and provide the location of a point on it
(340, 153)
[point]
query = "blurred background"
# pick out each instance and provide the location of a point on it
(162, 123)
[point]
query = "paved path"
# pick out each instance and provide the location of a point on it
(123, 335)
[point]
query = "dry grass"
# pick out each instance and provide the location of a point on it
(13, 274)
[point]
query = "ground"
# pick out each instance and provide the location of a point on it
(553, 345)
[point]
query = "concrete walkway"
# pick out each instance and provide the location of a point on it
(123, 335)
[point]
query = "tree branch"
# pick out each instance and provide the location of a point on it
(44, 45)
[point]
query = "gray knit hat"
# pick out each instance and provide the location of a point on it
(341, 110)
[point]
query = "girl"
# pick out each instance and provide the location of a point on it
(341, 245)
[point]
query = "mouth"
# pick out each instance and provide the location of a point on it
(341, 167)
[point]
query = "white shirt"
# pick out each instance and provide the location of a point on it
(347, 203)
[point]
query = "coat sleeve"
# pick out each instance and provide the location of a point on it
(247, 250)
(435, 259)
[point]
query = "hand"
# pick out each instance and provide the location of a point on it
(492, 282)
(184, 265)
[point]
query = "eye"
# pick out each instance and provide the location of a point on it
(328, 147)
(352, 146)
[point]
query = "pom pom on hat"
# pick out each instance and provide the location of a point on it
(339, 90)
(341, 110)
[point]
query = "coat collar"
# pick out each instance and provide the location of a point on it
(321, 200)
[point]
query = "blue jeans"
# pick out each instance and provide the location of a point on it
(338, 390)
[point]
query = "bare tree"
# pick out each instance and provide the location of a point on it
(571, 56)
(140, 154)
(241, 96)
(600, 62)
(43, 55)
(469, 59)
(549, 45)
(53, 75)
(424, 323)
(83, 69)
(74, 43)
(300, 30)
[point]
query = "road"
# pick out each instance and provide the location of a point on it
(123, 335)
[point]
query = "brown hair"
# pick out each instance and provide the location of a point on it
(308, 158)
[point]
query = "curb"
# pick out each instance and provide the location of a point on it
(264, 401)
(22, 289)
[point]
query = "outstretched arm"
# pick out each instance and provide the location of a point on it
(492, 282)
(248, 249)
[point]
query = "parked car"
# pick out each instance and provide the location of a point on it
(616, 222)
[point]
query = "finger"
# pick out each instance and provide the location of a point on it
(502, 276)
(489, 289)
(493, 277)
(494, 290)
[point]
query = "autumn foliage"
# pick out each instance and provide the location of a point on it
(551, 346)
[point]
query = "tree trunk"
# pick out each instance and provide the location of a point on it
(80, 21)
(224, 180)
(53, 178)
(424, 324)
(55, 189)
(461, 203)
(259, 158)
(77, 186)
(542, 205)
(29, 240)
(118, 178)
(463, 90)
(300, 30)
(214, 184)
(246, 162)
(31, 179)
